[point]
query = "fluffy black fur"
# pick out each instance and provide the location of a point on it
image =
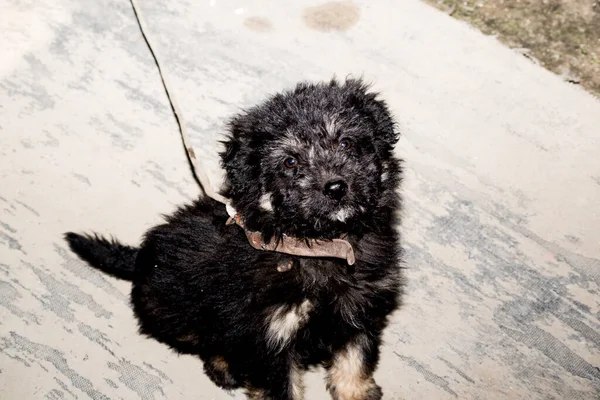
(199, 287)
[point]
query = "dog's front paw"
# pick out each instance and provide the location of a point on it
(358, 390)
(374, 393)
(368, 390)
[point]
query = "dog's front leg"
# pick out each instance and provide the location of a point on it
(283, 381)
(350, 372)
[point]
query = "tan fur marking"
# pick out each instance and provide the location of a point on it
(297, 382)
(347, 379)
(220, 364)
(284, 323)
(285, 266)
(296, 386)
(255, 394)
(188, 338)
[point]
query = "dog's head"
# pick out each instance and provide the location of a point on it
(313, 162)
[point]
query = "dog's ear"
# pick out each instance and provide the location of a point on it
(376, 112)
(241, 163)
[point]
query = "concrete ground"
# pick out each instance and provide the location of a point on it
(502, 191)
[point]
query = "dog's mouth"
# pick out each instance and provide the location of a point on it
(342, 214)
(327, 214)
(336, 219)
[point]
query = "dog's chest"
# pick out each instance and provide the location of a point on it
(328, 304)
(310, 323)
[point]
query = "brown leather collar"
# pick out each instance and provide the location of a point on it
(336, 248)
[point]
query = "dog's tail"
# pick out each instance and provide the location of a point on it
(106, 255)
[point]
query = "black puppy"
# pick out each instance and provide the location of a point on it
(312, 163)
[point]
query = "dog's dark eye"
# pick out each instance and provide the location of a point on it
(345, 144)
(290, 162)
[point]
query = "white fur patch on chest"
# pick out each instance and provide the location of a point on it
(284, 322)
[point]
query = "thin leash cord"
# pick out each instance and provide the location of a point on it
(198, 170)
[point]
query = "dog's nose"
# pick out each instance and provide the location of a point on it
(335, 189)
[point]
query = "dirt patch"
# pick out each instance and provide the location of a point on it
(562, 35)
(333, 16)
(258, 24)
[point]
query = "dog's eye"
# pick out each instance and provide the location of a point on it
(345, 144)
(290, 162)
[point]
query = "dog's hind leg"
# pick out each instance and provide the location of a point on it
(217, 369)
